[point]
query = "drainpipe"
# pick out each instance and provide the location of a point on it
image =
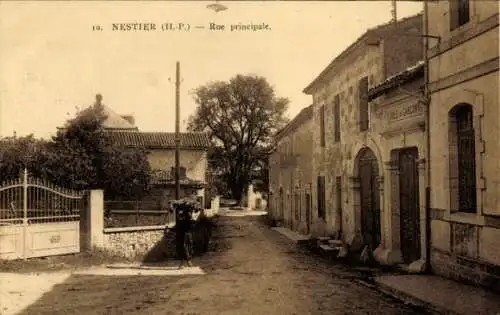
(428, 143)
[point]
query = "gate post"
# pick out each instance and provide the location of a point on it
(25, 213)
(92, 222)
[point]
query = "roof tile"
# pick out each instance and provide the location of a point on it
(159, 140)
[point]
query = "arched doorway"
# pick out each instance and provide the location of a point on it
(369, 197)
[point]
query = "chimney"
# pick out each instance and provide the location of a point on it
(98, 99)
(129, 118)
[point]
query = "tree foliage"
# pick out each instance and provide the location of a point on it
(79, 156)
(16, 154)
(242, 116)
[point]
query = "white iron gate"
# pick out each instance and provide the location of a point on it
(38, 218)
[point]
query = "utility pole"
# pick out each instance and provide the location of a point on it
(394, 11)
(177, 135)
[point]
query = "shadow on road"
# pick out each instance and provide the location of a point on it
(97, 294)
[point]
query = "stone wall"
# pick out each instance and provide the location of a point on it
(336, 158)
(137, 242)
(153, 243)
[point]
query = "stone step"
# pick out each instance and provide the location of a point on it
(328, 248)
(335, 243)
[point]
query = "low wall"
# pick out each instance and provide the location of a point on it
(147, 243)
(135, 242)
(153, 243)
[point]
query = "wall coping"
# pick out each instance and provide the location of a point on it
(137, 228)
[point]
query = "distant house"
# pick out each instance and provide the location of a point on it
(160, 147)
(290, 173)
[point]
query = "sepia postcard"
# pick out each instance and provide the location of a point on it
(249, 157)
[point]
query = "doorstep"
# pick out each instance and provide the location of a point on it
(443, 295)
(291, 235)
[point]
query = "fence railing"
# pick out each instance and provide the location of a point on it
(136, 213)
(29, 200)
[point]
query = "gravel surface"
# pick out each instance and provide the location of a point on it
(249, 270)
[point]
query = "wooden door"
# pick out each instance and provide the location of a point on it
(308, 213)
(409, 205)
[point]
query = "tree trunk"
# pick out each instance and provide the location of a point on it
(237, 193)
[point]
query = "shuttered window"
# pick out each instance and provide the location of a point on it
(337, 118)
(322, 125)
(363, 104)
(459, 13)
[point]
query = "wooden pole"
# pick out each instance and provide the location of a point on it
(394, 11)
(177, 135)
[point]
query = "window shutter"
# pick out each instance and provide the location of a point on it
(322, 125)
(363, 104)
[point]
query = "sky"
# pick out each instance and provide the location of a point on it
(53, 61)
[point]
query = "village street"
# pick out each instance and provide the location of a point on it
(250, 270)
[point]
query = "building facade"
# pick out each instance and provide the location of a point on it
(398, 111)
(290, 174)
(465, 147)
(348, 159)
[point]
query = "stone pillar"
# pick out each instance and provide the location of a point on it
(354, 236)
(250, 198)
(380, 182)
(215, 204)
(92, 222)
(389, 252)
(419, 265)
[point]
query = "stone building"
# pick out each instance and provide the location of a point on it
(465, 146)
(348, 159)
(290, 173)
(398, 113)
(121, 130)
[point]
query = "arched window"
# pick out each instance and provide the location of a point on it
(462, 159)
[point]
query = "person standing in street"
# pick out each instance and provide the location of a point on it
(185, 224)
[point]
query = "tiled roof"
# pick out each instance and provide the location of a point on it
(159, 140)
(375, 32)
(304, 115)
(407, 75)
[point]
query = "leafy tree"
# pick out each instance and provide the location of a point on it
(79, 156)
(74, 157)
(18, 153)
(125, 172)
(242, 116)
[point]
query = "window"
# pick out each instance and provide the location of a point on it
(321, 197)
(363, 104)
(337, 118)
(182, 172)
(322, 125)
(459, 13)
(462, 159)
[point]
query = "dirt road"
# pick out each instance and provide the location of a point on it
(250, 270)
